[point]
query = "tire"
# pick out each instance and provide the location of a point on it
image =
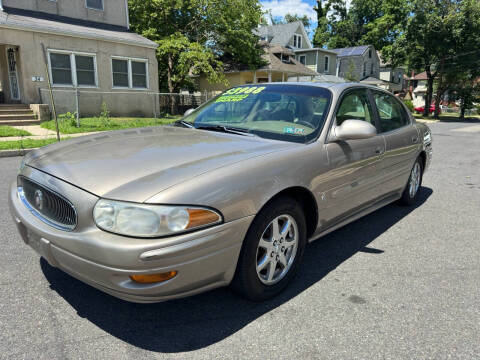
(258, 285)
(414, 183)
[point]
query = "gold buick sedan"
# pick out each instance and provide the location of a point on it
(229, 195)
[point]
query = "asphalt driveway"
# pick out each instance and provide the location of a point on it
(401, 283)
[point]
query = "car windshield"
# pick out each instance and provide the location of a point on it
(276, 111)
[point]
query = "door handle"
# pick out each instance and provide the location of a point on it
(414, 139)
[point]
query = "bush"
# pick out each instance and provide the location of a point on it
(409, 104)
(68, 118)
(105, 115)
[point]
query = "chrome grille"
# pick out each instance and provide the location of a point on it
(47, 205)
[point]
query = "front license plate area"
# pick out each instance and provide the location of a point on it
(41, 247)
(35, 242)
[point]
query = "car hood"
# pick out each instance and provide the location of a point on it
(135, 164)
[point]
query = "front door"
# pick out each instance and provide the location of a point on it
(12, 74)
(355, 178)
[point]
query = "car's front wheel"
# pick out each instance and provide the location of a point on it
(272, 250)
(410, 193)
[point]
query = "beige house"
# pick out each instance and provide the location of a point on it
(85, 45)
(281, 66)
(280, 43)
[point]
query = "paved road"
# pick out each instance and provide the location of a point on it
(401, 283)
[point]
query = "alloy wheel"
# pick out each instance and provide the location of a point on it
(414, 180)
(276, 249)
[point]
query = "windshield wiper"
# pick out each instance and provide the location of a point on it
(226, 129)
(183, 123)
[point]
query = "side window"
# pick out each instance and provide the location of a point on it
(391, 112)
(355, 105)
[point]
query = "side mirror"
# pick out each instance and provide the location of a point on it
(188, 112)
(353, 130)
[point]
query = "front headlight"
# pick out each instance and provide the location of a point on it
(144, 220)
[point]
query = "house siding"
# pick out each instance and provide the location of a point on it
(358, 63)
(312, 57)
(31, 62)
(304, 41)
(114, 11)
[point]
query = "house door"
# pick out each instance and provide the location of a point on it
(12, 74)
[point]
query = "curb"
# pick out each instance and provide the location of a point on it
(11, 153)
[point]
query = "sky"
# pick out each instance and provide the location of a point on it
(301, 7)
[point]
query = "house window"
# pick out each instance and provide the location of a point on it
(129, 73)
(94, 4)
(297, 41)
(302, 59)
(327, 65)
(73, 69)
(371, 68)
(364, 69)
(369, 53)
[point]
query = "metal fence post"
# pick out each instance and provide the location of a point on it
(154, 106)
(77, 94)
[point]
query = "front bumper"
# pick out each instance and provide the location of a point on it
(204, 259)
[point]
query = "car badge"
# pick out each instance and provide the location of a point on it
(38, 197)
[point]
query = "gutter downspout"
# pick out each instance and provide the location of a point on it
(126, 13)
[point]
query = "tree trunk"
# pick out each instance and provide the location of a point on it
(437, 107)
(462, 110)
(428, 94)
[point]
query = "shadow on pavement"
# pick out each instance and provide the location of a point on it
(202, 320)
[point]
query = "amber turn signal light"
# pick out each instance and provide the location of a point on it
(201, 217)
(153, 278)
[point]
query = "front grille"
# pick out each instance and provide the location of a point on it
(47, 205)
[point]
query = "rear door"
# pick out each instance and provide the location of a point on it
(401, 140)
(355, 165)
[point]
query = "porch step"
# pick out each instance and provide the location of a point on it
(17, 115)
(14, 111)
(30, 116)
(15, 106)
(19, 122)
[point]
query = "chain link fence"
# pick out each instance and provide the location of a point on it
(88, 103)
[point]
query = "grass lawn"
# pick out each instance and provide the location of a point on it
(25, 144)
(447, 117)
(11, 131)
(114, 123)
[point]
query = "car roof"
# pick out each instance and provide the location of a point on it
(334, 87)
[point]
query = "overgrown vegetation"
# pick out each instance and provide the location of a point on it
(8, 131)
(409, 105)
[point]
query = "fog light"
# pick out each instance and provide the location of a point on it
(153, 278)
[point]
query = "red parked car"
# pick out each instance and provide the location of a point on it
(420, 109)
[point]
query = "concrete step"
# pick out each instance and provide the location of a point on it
(19, 122)
(14, 106)
(15, 111)
(30, 116)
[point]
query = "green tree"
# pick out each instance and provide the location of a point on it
(436, 32)
(372, 22)
(289, 18)
(198, 37)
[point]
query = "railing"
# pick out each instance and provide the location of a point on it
(86, 102)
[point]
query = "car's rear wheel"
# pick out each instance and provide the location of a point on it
(272, 250)
(410, 193)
